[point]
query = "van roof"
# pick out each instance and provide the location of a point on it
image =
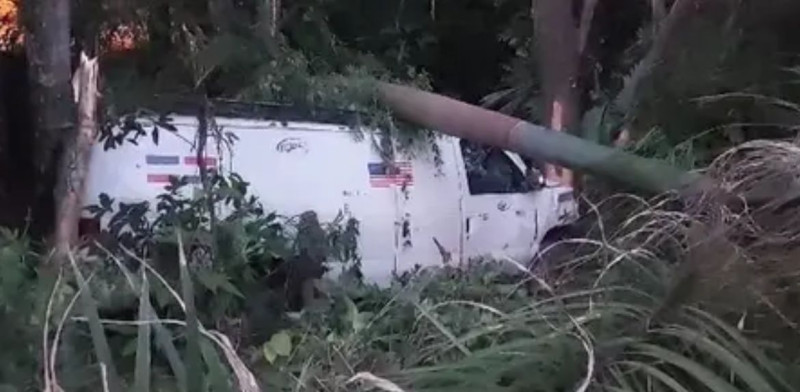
(260, 111)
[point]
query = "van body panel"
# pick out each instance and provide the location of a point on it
(430, 209)
(296, 169)
(135, 173)
(420, 210)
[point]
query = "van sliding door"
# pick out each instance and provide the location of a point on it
(429, 208)
(298, 167)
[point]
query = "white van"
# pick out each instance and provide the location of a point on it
(460, 203)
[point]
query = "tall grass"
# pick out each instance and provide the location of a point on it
(209, 368)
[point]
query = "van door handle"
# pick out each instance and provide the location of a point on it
(467, 225)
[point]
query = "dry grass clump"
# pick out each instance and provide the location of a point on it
(735, 245)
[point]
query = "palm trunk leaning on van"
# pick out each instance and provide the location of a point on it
(480, 125)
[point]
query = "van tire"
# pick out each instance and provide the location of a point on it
(543, 264)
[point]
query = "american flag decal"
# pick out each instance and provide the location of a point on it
(384, 175)
(161, 167)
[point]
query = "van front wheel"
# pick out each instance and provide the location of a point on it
(554, 251)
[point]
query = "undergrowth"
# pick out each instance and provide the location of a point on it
(167, 299)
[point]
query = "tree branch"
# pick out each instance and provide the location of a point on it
(585, 27)
(659, 10)
(667, 29)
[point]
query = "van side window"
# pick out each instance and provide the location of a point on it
(490, 171)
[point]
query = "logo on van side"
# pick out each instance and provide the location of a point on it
(291, 144)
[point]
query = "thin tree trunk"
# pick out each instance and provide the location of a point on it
(659, 10)
(585, 27)
(268, 25)
(206, 123)
(74, 165)
(221, 13)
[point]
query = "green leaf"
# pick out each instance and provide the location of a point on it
(214, 281)
(281, 343)
(129, 349)
(269, 354)
(353, 316)
(208, 280)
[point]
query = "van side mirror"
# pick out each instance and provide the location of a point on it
(534, 178)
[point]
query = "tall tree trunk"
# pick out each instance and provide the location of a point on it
(560, 40)
(74, 165)
(46, 26)
(47, 45)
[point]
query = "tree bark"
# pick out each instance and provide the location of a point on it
(46, 25)
(74, 165)
(560, 43)
(585, 27)
(47, 45)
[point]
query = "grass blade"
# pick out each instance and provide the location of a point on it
(657, 374)
(699, 372)
(444, 330)
(619, 377)
(194, 368)
(164, 340)
(734, 337)
(99, 340)
(744, 370)
(217, 373)
(143, 355)
(163, 336)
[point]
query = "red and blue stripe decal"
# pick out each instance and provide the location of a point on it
(157, 164)
(162, 160)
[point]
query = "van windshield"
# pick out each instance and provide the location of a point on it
(490, 171)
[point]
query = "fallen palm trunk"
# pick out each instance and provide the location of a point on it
(470, 122)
